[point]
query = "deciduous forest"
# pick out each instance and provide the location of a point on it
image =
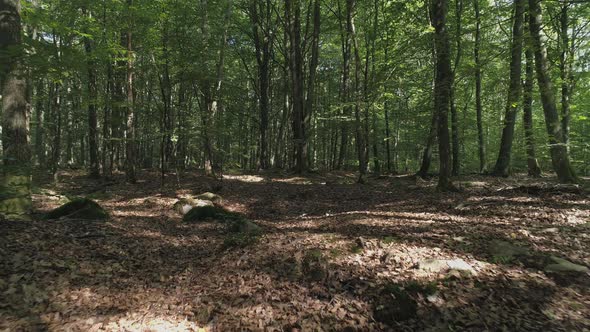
(295, 165)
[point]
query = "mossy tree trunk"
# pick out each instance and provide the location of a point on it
(15, 193)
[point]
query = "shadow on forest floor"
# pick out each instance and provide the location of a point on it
(146, 270)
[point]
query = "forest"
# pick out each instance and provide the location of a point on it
(295, 165)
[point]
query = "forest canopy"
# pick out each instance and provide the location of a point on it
(117, 85)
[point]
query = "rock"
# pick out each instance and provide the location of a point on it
(559, 265)
(184, 205)
(445, 265)
(214, 198)
(79, 208)
(394, 305)
(244, 226)
(314, 265)
(201, 213)
(505, 251)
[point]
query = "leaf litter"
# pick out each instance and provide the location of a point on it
(146, 270)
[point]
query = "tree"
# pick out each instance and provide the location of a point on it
(502, 167)
(130, 152)
(442, 87)
(478, 90)
(558, 147)
(15, 198)
(533, 165)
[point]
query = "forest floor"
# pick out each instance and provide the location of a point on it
(396, 255)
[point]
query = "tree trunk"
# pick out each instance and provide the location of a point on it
(293, 17)
(454, 117)
(15, 201)
(558, 147)
(442, 88)
(260, 16)
(92, 115)
(502, 167)
(533, 166)
(313, 65)
(478, 102)
(130, 149)
(565, 68)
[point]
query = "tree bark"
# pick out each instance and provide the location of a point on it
(293, 17)
(565, 68)
(92, 114)
(130, 149)
(15, 190)
(313, 65)
(478, 101)
(558, 147)
(533, 166)
(442, 88)
(454, 117)
(502, 167)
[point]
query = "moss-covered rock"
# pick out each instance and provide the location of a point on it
(314, 265)
(214, 198)
(202, 213)
(241, 231)
(184, 205)
(79, 208)
(393, 305)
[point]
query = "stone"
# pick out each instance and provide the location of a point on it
(184, 205)
(506, 251)
(202, 213)
(314, 265)
(394, 305)
(559, 265)
(79, 208)
(214, 198)
(445, 265)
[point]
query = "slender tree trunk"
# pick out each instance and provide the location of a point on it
(558, 147)
(293, 15)
(442, 88)
(92, 114)
(478, 100)
(565, 64)
(130, 149)
(39, 125)
(502, 167)
(454, 117)
(427, 153)
(260, 16)
(313, 65)
(15, 198)
(533, 166)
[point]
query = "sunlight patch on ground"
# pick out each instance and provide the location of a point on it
(294, 180)
(245, 178)
(140, 323)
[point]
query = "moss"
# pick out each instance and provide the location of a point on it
(15, 192)
(79, 208)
